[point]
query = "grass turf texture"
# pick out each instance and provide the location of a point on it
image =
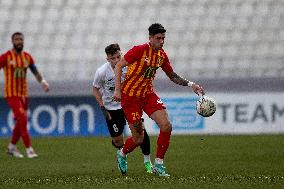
(193, 162)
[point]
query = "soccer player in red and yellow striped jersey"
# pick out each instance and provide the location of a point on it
(15, 63)
(136, 94)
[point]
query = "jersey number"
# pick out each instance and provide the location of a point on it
(115, 128)
(135, 116)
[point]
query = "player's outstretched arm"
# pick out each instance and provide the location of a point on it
(174, 77)
(39, 78)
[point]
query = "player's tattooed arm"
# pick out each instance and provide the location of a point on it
(174, 77)
(184, 82)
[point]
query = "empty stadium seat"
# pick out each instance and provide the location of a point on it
(216, 38)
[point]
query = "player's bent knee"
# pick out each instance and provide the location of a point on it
(138, 140)
(166, 127)
(138, 127)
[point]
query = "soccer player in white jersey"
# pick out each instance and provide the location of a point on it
(103, 90)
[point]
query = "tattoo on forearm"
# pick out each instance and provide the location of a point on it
(138, 127)
(177, 79)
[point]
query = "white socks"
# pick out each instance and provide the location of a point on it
(121, 153)
(29, 150)
(11, 146)
(147, 158)
(159, 161)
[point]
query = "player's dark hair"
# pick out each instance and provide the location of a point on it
(16, 33)
(156, 28)
(112, 49)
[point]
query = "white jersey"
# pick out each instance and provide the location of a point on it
(105, 80)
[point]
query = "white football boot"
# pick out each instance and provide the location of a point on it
(31, 153)
(14, 152)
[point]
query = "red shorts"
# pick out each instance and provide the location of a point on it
(133, 107)
(19, 105)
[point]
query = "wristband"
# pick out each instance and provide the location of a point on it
(190, 83)
(43, 81)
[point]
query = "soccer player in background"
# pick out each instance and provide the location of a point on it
(137, 95)
(15, 63)
(103, 90)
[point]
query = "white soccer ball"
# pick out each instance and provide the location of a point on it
(206, 106)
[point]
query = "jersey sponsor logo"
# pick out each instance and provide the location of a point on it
(19, 72)
(111, 88)
(150, 72)
(109, 84)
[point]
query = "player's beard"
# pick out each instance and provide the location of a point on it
(19, 47)
(159, 46)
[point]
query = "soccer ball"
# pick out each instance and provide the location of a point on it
(206, 106)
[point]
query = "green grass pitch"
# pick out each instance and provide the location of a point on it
(193, 162)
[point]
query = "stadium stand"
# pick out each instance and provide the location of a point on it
(205, 38)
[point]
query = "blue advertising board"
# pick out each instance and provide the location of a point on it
(58, 116)
(182, 113)
(81, 116)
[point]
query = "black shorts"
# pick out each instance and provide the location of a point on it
(117, 123)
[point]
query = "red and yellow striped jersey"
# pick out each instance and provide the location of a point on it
(143, 63)
(15, 70)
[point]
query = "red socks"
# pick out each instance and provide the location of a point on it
(163, 143)
(128, 146)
